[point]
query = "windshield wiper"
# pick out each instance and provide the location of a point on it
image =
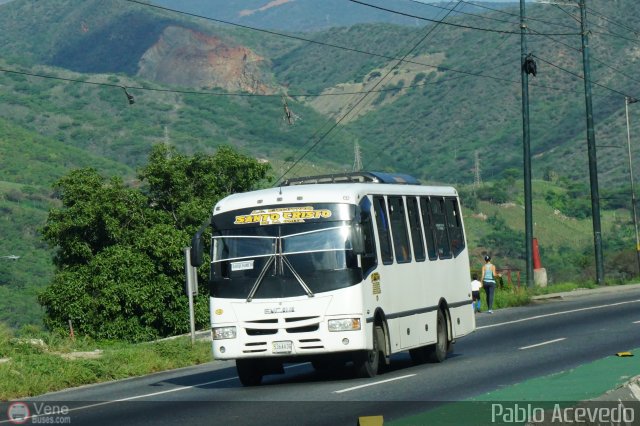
(298, 277)
(281, 259)
(254, 289)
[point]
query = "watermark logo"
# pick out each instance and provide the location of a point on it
(615, 413)
(18, 413)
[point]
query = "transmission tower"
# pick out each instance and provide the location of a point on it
(357, 160)
(476, 171)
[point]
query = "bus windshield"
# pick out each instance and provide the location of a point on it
(235, 247)
(283, 260)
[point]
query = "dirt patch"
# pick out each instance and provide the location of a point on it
(80, 355)
(274, 3)
(407, 74)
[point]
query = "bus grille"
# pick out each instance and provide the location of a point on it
(260, 331)
(308, 328)
(289, 322)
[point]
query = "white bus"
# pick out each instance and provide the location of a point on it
(337, 269)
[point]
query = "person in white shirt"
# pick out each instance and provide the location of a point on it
(475, 292)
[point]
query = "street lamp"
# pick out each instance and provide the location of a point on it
(627, 101)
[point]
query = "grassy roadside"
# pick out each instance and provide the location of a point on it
(40, 362)
(511, 295)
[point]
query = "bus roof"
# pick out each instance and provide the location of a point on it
(354, 177)
(350, 193)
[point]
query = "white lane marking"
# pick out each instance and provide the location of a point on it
(374, 383)
(131, 398)
(543, 343)
(558, 313)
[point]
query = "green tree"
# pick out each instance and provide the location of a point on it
(495, 193)
(119, 261)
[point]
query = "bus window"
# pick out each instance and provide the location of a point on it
(399, 230)
(425, 207)
(369, 259)
(416, 230)
(380, 207)
(440, 227)
(455, 226)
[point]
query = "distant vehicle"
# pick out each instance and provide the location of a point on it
(336, 269)
(11, 256)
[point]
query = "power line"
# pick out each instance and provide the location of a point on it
(433, 5)
(581, 77)
(440, 68)
(414, 124)
(571, 15)
(609, 33)
(393, 58)
(529, 18)
(446, 23)
(623, 26)
(298, 38)
(449, 11)
(71, 80)
(347, 48)
(370, 91)
(591, 57)
(239, 94)
(415, 46)
(310, 140)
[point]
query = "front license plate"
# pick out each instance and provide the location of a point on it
(283, 347)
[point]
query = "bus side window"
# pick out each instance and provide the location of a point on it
(416, 230)
(425, 207)
(399, 230)
(456, 233)
(440, 225)
(369, 258)
(380, 207)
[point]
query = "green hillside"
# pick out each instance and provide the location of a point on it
(459, 100)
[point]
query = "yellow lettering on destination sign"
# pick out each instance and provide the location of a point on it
(282, 215)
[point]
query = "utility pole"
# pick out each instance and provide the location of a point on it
(591, 143)
(627, 101)
(526, 146)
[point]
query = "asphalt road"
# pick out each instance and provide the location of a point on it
(510, 346)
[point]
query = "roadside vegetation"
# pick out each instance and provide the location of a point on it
(34, 362)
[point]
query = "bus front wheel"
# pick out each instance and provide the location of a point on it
(366, 362)
(249, 372)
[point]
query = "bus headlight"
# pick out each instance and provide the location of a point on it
(220, 333)
(346, 324)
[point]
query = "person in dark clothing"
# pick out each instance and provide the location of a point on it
(489, 275)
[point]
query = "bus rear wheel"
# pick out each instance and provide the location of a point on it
(438, 352)
(366, 362)
(249, 372)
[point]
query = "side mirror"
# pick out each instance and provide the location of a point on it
(357, 239)
(197, 250)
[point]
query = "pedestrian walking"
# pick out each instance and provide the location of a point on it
(475, 292)
(489, 275)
